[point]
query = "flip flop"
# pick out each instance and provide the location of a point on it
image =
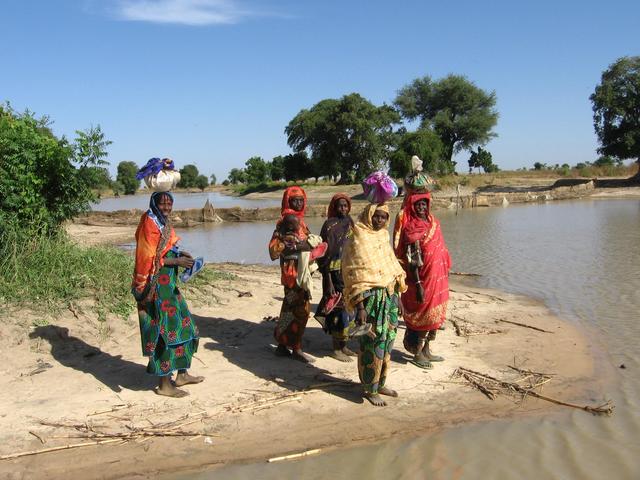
(360, 330)
(436, 358)
(423, 365)
(198, 265)
(331, 303)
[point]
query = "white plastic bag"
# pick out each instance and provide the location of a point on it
(163, 181)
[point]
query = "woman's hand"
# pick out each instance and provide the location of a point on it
(185, 262)
(185, 254)
(400, 307)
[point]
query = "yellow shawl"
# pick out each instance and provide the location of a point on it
(368, 260)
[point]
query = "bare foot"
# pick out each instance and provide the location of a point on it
(375, 399)
(186, 379)
(168, 390)
(302, 357)
(348, 352)
(282, 351)
(387, 391)
(341, 356)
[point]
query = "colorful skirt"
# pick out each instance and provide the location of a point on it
(293, 318)
(169, 334)
(375, 353)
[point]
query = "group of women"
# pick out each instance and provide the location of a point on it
(367, 286)
(366, 283)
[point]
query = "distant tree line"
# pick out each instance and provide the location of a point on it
(349, 137)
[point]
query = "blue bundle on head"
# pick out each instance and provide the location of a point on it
(379, 187)
(154, 166)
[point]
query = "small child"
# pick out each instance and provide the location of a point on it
(289, 230)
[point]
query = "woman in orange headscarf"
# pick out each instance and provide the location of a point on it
(169, 335)
(286, 245)
(421, 249)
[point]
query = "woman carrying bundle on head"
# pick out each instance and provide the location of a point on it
(292, 244)
(169, 334)
(331, 312)
(373, 281)
(421, 249)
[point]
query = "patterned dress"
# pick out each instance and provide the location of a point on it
(169, 334)
(375, 353)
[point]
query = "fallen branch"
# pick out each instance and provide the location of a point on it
(55, 449)
(465, 274)
(524, 325)
(604, 409)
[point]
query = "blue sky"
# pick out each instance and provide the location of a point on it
(214, 82)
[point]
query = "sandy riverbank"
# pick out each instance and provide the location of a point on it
(75, 370)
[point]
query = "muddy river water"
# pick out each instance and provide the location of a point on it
(582, 258)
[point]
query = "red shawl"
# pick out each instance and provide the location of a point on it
(286, 209)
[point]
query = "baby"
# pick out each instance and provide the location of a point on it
(289, 230)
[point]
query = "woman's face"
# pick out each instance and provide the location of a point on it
(342, 207)
(421, 207)
(379, 219)
(165, 205)
(296, 203)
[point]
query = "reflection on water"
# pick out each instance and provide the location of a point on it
(183, 201)
(582, 258)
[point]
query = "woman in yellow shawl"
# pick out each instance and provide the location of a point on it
(373, 281)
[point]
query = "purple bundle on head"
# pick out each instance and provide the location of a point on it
(154, 166)
(379, 187)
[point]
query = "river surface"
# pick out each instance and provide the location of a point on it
(582, 258)
(182, 201)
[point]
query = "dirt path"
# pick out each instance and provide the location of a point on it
(76, 370)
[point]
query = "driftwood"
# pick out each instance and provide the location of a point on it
(55, 449)
(295, 455)
(524, 325)
(465, 274)
(491, 386)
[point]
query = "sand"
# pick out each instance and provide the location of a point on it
(74, 369)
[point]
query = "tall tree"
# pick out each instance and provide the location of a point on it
(349, 136)
(276, 168)
(482, 159)
(256, 170)
(127, 177)
(237, 175)
(298, 166)
(423, 143)
(90, 152)
(213, 179)
(201, 182)
(188, 175)
(462, 114)
(616, 110)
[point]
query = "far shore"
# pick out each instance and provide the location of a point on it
(76, 370)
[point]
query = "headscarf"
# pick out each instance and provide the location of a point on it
(285, 210)
(368, 260)
(155, 236)
(154, 210)
(415, 227)
(332, 211)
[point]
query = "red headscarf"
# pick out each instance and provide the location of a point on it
(332, 211)
(414, 227)
(286, 209)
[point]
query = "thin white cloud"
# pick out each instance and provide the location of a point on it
(185, 12)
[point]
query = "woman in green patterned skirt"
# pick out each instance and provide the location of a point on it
(169, 334)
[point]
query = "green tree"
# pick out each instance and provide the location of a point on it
(462, 114)
(298, 166)
(276, 168)
(213, 179)
(482, 159)
(39, 185)
(256, 170)
(237, 175)
(188, 175)
(616, 110)
(126, 176)
(350, 136)
(539, 166)
(201, 182)
(89, 152)
(423, 143)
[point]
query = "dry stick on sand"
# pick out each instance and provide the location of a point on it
(295, 455)
(604, 409)
(524, 325)
(55, 449)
